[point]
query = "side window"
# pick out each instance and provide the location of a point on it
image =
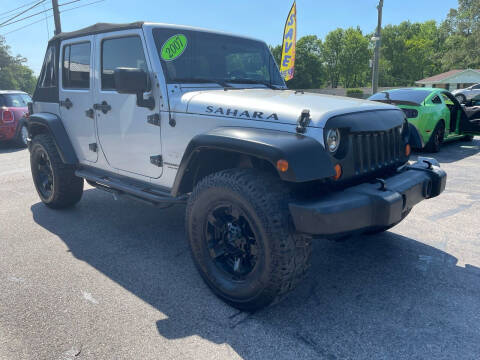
(76, 66)
(476, 87)
(48, 75)
(114, 55)
(447, 100)
(436, 100)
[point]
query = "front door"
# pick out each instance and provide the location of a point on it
(470, 122)
(76, 96)
(129, 142)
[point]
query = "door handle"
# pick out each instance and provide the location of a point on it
(90, 113)
(103, 107)
(66, 103)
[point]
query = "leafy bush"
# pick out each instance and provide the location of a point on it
(355, 93)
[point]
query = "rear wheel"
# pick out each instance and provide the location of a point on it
(468, 138)
(436, 138)
(56, 183)
(242, 239)
(22, 136)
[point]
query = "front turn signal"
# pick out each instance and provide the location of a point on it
(282, 165)
(338, 172)
(408, 150)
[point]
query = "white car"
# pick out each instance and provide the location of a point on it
(463, 95)
(172, 114)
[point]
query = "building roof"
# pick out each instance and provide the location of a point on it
(440, 78)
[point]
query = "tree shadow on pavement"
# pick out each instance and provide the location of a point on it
(384, 296)
(454, 151)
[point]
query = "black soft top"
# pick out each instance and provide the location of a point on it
(97, 29)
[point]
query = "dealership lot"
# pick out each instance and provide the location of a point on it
(114, 280)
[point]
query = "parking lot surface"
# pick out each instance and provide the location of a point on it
(114, 280)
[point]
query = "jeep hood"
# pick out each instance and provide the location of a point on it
(282, 106)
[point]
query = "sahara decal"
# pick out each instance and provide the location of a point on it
(241, 114)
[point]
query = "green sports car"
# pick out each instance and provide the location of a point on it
(434, 115)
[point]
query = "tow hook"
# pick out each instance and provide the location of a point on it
(429, 164)
(383, 185)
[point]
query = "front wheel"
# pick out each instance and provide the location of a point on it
(242, 240)
(56, 183)
(436, 138)
(461, 98)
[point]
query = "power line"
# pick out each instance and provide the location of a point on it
(50, 16)
(22, 12)
(32, 15)
(10, 11)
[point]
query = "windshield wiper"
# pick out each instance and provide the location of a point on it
(251, 81)
(202, 81)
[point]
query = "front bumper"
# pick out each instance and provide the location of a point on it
(370, 205)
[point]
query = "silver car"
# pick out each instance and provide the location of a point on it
(463, 95)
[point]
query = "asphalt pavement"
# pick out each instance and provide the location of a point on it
(114, 280)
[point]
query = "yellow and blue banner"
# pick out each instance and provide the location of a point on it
(287, 65)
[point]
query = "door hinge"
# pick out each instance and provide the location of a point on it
(157, 160)
(154, 119)
(93, 147)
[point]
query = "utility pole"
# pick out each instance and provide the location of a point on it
(56, 17)
(376, 56)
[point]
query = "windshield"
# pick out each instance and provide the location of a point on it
(14, 100)
(201, 57)
(410, 95)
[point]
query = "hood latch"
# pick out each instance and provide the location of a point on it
(303, 121)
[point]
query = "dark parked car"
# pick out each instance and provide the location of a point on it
(13, 108)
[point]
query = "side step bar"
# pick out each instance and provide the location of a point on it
(140, 192)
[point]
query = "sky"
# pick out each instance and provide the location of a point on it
(262, 19)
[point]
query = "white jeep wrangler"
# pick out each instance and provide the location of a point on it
(172, 114)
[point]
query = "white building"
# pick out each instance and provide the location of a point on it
(451, 80)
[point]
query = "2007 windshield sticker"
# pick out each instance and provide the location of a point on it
(173, 47)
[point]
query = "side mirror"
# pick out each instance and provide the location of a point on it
(133, 81)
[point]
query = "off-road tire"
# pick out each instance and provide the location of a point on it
(284, 258)
(67, 189)
(436, 139)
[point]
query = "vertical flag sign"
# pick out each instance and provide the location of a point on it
(287, 65)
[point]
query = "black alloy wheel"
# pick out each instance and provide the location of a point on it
(231, 241)
(43, 174)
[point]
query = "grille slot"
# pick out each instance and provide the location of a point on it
(376, 150)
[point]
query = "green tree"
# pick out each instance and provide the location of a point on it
(331, 54)
(14, 74)
(462, 27)
(309, 72)
(354, 56)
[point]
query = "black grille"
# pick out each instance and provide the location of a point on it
(376, 150)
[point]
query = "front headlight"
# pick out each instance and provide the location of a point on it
(333, 140)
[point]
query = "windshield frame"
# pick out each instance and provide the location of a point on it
(162, 34)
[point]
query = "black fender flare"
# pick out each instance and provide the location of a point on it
(415, 140)
(307, 158)
(52, 124)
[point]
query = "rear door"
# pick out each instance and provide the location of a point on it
(130, 143)
(76, 96)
